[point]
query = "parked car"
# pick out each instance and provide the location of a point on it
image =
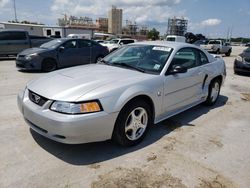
(124, 94)
(60, 53)
(218, 47)
(79, 36)
(247, 44)
(114, 44)
(242, 62)
(14, 41)
(175, 38)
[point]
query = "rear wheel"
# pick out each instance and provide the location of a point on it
(213, 92)
(132, 123)
(228, 53)
(48, 65)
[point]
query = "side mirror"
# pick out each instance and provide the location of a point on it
(61, 49)
(121, 43)
(177, 69)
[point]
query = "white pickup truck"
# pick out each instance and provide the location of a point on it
(218, 47)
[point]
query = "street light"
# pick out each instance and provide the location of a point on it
(15, 10)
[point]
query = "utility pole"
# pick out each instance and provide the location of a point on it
(15, 10)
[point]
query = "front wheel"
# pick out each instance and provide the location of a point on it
(213, 92)
(48, 65)
(132, 123)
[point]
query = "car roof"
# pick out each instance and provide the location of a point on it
(175, 45)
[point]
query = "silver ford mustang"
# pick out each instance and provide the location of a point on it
(123, 95)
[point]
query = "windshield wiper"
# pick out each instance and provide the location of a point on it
(129, 66)
(103, 61)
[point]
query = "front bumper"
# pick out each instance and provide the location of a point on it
(70, 129)
(241, 66)
(33, 64)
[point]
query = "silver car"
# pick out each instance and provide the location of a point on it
(124, 94)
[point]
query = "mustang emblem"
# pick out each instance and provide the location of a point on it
(36, 98)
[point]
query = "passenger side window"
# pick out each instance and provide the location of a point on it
(203, 58)
(70, 44)
(84, 43)
(185, 57)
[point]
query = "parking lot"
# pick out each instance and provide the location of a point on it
(201, 147)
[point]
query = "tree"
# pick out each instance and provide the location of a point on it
(153, 34)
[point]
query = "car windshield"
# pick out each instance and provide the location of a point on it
(52, 44)
(144, 58)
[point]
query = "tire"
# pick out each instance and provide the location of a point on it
(213, 92)
(218, 51)
(48, 65)
(228, 53)
(132, 123)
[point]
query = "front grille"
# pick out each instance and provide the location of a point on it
(247, 60)
(37, 99)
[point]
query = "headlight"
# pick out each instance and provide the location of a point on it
(76, 108)
(29, 57)
(239, 58)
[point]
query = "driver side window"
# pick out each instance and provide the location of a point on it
(185, 57)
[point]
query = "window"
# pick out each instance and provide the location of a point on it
(70, 44)
(127, 41)
(203, 58)
(58, 33)
(185, 57)
(4, 36)
(214, 42)
(149, 58)
(48, 31)
(84, 43)
(13, 35)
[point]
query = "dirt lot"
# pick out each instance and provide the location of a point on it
(202, 147)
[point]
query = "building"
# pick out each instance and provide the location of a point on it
(102, 25)
(115, 21)
(177, 26)
(130, 28)
(44, 30)
(32, 29)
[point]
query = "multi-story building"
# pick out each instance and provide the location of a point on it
(177, 26)
(115, 21)
(102, 25)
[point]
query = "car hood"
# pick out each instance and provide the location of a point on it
(32, 51)
(70, 84)
(110, 45)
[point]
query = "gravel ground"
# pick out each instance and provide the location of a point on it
(201, 147)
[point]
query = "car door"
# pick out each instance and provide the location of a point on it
(67, 54)
(182, 89)
(84, 51)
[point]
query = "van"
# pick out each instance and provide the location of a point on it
(175, 38)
